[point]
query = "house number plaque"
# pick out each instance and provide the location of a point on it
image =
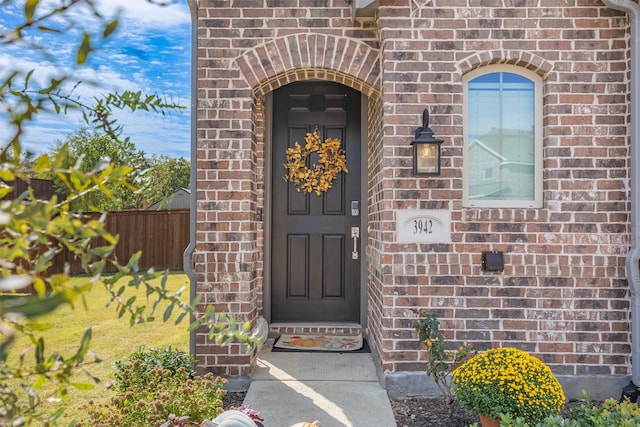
(423, 226)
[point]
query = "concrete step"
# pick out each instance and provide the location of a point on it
(313, 328)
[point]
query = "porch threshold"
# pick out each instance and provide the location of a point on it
(326, 328)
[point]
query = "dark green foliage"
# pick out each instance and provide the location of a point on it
(150, 178)
(138, 365)
(87, 152)
(610, 413)
(156, 386)
(166, 175)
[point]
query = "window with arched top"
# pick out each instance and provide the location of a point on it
(503, 138)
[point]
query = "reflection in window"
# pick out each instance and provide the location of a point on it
(501, 150)
(487, 174)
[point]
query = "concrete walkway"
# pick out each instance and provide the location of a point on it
(336, 389)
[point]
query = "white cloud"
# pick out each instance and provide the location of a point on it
(149, 15)
(95, 81)
(157, 134)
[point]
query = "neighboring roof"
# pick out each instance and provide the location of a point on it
(480, 144)
(179, 199)
(363, 8)
(511, 145)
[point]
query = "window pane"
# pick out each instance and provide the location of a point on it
(501, 140)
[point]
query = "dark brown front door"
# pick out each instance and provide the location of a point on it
(314, 274)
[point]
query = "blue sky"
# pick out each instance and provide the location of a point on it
(150, 52)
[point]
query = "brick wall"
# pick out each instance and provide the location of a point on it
(246, 49)
(563, 293)
(376, 316)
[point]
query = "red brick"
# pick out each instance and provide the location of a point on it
(574, 244)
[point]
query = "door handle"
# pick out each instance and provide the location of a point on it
(355, 233)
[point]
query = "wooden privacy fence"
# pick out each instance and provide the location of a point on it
(42, 188)
(161, 235)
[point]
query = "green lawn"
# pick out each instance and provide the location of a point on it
(113, 338)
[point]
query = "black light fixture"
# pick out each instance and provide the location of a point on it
(426, 149)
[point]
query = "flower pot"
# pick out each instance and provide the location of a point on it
(489, 422)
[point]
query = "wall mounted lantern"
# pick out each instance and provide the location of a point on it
(426, 149)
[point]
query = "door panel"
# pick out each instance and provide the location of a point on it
(314, 277)
(333, 258)
(298, 269)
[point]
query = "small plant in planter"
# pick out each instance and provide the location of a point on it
(508, 381)
(441, 362)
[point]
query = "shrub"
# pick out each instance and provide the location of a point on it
(610, 413)
(441, 362)
(508, 381)
(149, 393)
(128, 370)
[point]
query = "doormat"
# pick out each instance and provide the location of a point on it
(321, 343)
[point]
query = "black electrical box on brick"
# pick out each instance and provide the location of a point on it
(492, 261)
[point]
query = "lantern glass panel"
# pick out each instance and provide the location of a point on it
(428, 158)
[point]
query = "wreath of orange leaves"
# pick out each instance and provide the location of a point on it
(320, 176)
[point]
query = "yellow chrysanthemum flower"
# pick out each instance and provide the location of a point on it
(508, 380)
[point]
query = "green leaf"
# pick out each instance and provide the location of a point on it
(40, 351)
(40, 382)
(84, 49)
(32, 305)
(163, 281)
(27, 78)
(110, 28)
(7, 175)
(4, 191)
(48, 29)
(194, 325)
(133, 261)
(57, 414)
(40, 326)
(30, 9)
(33, 397)
(84, 345)
(42, 163)
(180, 317)
(167, 313)
(3, 350)
(83, 386)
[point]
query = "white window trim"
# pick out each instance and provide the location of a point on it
(538, 141)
